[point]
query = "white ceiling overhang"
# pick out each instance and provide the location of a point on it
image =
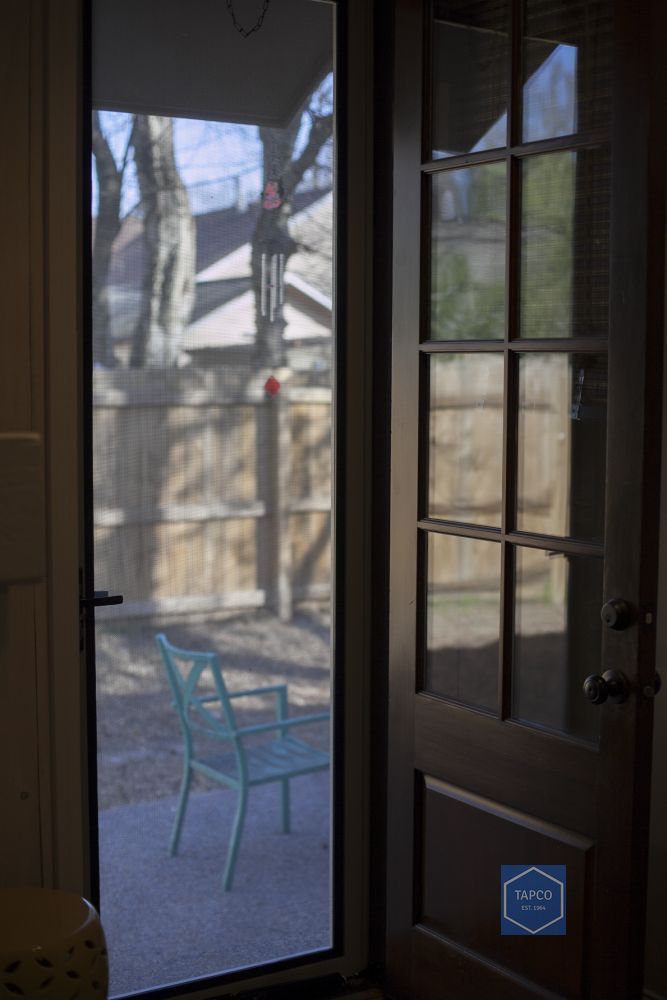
(185, 58)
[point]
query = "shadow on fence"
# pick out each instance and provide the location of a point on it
(211, 494)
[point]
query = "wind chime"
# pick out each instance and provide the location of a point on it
(272, 273)
(272, 276)
(272, 283)
(272, 264)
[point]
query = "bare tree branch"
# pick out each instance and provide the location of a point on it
(321, 127)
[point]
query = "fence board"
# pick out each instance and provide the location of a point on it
(198, 478)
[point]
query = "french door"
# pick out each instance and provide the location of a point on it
(528, 274)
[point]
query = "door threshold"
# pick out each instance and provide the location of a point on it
(330, 988)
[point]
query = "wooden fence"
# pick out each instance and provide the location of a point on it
(209, 493)
(466, 455)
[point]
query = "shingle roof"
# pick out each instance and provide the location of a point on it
(218, 234)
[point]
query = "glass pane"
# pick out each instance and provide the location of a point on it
(565, 245)
(562, 435)
(470, 61)
(212, 415)
(567, 67)
(557, 640)
(463, 620)
(466, 438)
(468, 253)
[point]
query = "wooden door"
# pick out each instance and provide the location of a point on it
(528, 288)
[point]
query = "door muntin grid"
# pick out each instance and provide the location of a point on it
(572, 341)
(469, 76)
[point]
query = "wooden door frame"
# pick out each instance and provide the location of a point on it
(58, 72)
(637, 294)
(640, 92)
(404, 490)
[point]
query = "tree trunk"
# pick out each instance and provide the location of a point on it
(107, 226)
(169, 239)
(271, 237)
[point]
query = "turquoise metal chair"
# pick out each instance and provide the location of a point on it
(211, 718)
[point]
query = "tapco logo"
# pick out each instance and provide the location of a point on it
(533, 899)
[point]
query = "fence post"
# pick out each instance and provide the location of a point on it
(278, 480)
(284, 488)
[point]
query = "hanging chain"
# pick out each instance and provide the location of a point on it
(246, 32)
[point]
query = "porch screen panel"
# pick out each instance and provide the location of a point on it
(213, 375)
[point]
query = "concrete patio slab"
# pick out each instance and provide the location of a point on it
(167, 920)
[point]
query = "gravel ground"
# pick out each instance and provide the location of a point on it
(139, 740)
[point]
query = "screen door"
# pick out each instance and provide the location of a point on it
(213, 341)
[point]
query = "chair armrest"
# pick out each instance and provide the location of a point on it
(280, 691)
(301, 720)
(262, 690)
(207, 698)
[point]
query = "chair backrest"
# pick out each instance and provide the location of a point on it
(185, 668)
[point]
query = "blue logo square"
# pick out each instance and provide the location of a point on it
(532, 899)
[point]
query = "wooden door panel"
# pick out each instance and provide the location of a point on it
(538, 773)
(465, 974)
(463, 843)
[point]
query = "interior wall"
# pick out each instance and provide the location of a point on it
(21, 768)
(42, 755)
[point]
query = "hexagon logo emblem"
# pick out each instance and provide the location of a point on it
(533, 899)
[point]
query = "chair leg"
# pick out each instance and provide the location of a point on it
(236, 839)
(285, 805)
(180, 812)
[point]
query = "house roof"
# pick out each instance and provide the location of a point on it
(312, 264)
(233, 324)
(229, 321)
(224, 309)
(218, 234)
(312, 228)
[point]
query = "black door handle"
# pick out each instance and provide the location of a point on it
(100, 599)
(617, 614)
(651, 690)
(612, 685)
